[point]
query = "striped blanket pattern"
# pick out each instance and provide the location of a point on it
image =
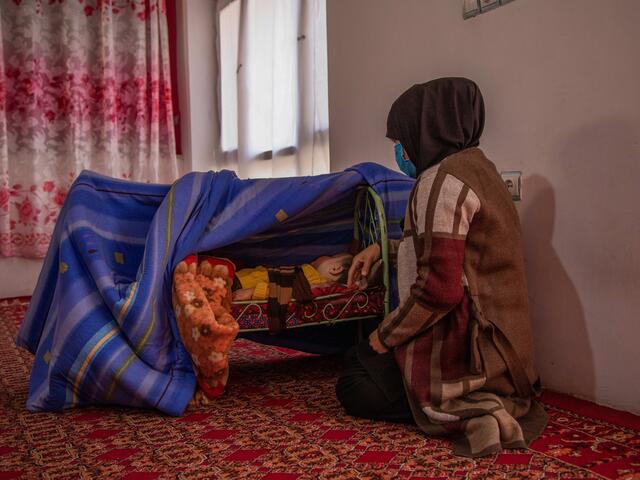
(101, 324)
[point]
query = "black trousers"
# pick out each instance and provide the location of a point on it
(371, 386)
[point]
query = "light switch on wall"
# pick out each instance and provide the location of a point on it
(513, 181)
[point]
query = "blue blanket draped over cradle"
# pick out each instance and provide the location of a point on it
(100, 322)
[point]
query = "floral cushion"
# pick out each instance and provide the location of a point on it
(201, 300)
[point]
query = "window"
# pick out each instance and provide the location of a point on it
(273, 85)
(229, 33)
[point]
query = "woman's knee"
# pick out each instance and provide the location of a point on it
(350, 380)
(357, 392)
(360, 396)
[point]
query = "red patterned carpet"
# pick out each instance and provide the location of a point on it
(280, 421)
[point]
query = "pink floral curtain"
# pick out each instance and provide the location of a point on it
(84, 84)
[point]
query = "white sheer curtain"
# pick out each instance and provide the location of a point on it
(272, 92)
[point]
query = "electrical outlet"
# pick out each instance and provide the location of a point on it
(513, 181)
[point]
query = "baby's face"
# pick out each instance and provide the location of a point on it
(335, 268)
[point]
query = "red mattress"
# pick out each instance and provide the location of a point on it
(324, 309)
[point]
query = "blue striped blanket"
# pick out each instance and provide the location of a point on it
(100, 322)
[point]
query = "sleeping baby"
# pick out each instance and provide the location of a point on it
(253, 283)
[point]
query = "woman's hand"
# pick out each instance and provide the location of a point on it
(375, 343)
(361, 264)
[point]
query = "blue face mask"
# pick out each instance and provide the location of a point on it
(405, 166)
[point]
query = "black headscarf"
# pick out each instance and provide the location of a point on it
(435, 119)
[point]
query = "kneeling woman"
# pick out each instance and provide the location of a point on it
(456, 356)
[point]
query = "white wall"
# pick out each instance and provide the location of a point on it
(561, 82)
(18, 276)
(196, 56)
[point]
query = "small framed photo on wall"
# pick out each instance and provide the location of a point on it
(471, 8)
(486, 5)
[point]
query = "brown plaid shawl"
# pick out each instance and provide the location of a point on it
(461, 334)
(285, 283)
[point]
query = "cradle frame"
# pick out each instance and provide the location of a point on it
(370, 226)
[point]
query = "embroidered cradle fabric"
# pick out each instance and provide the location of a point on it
(101, 323)
(329, 308)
